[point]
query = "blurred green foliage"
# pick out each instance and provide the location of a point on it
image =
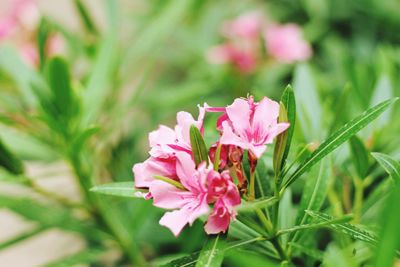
(93, 108)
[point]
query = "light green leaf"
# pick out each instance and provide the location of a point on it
(199, 148)
(391, 166)
(338, 138)
(390, 234)
(120, 189)
(382, 91)
(22, 237)
(212, 253)
(309, 109)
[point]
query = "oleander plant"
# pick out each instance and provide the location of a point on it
(201, 133)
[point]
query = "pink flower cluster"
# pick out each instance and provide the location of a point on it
(242, 49)
(18, 21)
(175, 182)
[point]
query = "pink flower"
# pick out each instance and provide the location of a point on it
(251, 125)
(248, 25)
(286, 44)
(165, 143)
(202, 186)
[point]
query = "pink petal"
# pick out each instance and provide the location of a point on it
(185, 169)
(239, 114)
(219, 219)
(167, 196)
(230, 138)
(144, 172)
(175, 220)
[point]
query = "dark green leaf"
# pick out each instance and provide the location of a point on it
(391, 166)
(199, 148)
(212, 253)
(85, 17)
(359, 155)
(9, 161)
(120, 189)
(338, 138)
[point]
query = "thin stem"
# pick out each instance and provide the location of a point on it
(252, 193)
(358, 198)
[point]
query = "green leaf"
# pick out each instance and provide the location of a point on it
(212, 253)
(288, 100)
(59, 82)
(359, 155)
(22, 237)
(120, 189)
(199, 148)
(346, 228)
(314, 193)
(86, 256)
(9, 161)
(338, 138)
(85, 17)
(390, 234)
(256, 204)
(281, 141)
(185, 261)
(391, 166)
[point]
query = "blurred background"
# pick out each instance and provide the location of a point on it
(83, 82)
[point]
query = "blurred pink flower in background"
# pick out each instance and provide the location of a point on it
(19, 20)
(286, 43)
(243, 47)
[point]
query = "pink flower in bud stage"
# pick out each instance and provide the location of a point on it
(202, 186)
(286, 43)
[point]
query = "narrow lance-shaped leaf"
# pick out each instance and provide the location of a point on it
(389, 235)
(212, 253)
(120, 189)
(9, 161)
(289, 101)
(346, 228)
(359, 155)
(338, 138)
(199, 149)
(391, 166)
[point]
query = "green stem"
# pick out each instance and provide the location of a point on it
(252, 192)
(358, 198)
